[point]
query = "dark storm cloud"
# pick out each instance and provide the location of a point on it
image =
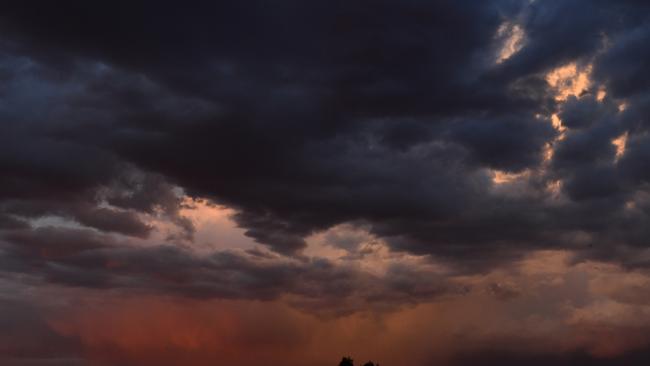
(301, 116)
(9, 222)
(583, 112)
(634, 165)
(510, 143)
(622, 67)
(84, 258)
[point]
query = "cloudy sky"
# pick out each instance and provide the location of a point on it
(420, 183)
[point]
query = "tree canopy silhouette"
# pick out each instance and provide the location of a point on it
(346, 361)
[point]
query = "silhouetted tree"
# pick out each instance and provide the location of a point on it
(348, 361)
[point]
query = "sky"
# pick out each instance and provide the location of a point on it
(417, 183)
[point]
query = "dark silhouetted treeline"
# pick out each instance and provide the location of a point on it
(348, 361)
